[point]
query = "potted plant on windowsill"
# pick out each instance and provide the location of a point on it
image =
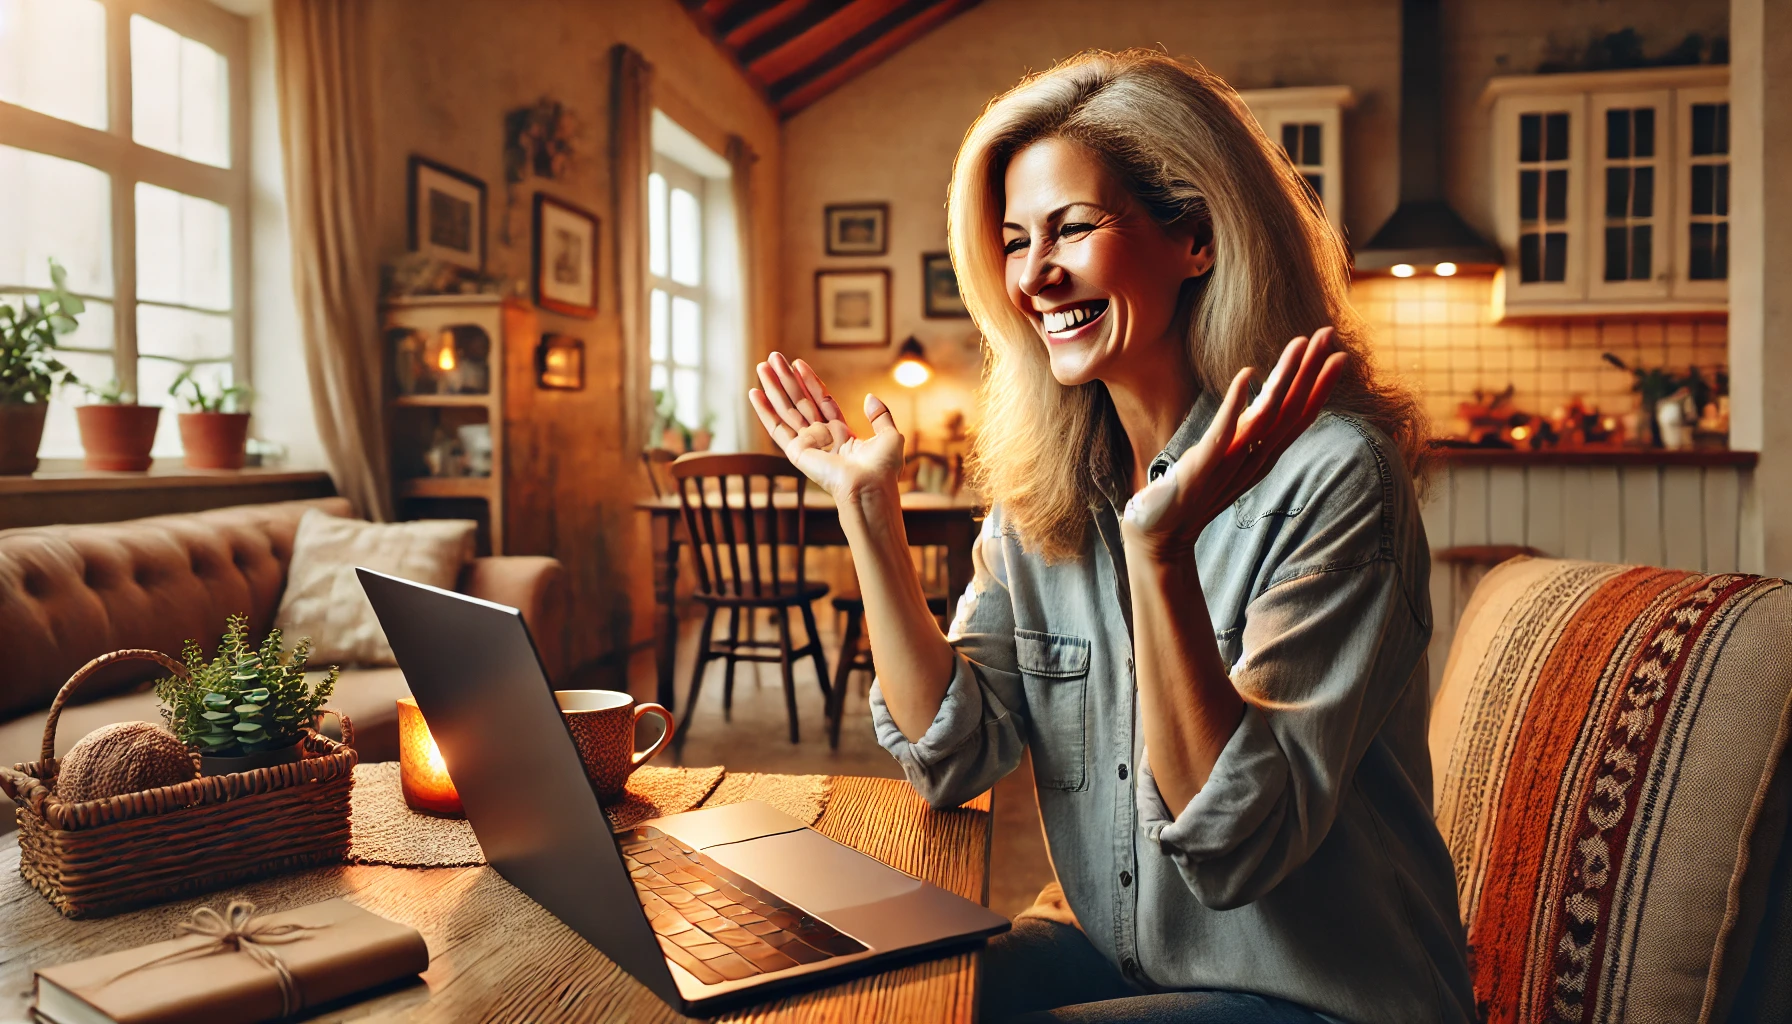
(213, 431)
(116, 432)
(29, 369)
(248, 707)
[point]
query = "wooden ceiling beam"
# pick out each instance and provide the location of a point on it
(851, 22)
(791, 26)
(864, 49)
(741, 20)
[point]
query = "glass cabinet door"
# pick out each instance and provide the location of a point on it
(1632, 144)
(1702, 231)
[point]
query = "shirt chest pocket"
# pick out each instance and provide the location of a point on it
(1054, 669)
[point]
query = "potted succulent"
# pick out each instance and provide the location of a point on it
(116, 432)
(248, 707)
(29, 369)
(213, 431)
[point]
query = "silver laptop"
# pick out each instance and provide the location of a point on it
(710, 908)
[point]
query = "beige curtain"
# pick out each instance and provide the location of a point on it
(741, 159)
(326, 132)
(631, 157)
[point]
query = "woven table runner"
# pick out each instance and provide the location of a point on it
(385, 831)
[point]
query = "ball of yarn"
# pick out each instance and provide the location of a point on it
(124, 757)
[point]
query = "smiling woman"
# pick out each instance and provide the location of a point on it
(1201, 604)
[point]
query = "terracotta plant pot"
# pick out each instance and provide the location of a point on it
(214, 440)
(118, 437)
(21, 428)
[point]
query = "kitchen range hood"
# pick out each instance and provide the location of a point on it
(1423, 231)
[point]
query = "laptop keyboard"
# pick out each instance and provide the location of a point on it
(716, 924)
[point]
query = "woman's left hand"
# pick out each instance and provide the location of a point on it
(1240, 447)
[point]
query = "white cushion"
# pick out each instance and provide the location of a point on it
(324, 600)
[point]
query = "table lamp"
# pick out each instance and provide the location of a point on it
(911, 371)
(422, 773)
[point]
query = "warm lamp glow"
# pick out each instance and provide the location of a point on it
(1520, 433)
(421, 771)
(445, 361)
(911, 369)
(912, 374)
(1446, 270)
(1401, 270)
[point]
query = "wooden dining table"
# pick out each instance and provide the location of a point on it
(497, 956)
(931, 520)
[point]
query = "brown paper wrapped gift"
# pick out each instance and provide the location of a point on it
(237, 967)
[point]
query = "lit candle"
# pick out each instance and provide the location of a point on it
(449, 381)
(421, 771)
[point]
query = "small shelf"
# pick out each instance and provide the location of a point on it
(443, 401)
(1597, 457)
(448, 487)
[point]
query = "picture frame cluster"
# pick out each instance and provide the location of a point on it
(852, 304)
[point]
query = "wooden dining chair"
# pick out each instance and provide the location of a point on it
(747, 560)
(654, 460)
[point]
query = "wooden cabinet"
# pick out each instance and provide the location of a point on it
(1612, 192)
(445, 388)
(1309, 124)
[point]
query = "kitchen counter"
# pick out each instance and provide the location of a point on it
(1597, 457)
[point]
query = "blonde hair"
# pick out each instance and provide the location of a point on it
(1184, 145)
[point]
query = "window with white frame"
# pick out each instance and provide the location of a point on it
(123, 156)
(695, 333)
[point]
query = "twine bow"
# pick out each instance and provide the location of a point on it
(237, 929)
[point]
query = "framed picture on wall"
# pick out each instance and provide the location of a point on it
(939, 287)
(565, 257)
(858, 229)
(447, 214)
(852, 308)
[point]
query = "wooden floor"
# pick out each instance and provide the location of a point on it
(755, 739)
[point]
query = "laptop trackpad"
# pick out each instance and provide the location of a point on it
(814, 872)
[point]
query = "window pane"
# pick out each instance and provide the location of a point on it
(1617, 255)
(1530, 258)
(1644, 142)
(154, 376)
(1617, 134)
(1642, 252)
(1555, 196)
(180, 94)
(54, 208)
(1530, 138)
(1642, 192)
(53, 58)
(656, 224)
(686, 393)
(1555, 256)
(658, 327)
(1555, 137)
(1291, 141)
(1617, 192)
(1309, 145)
(1530, 184)
(183, 249)
(182, 334)
(686, 237)
(687, 328)
(1721, 191)
(657, 379)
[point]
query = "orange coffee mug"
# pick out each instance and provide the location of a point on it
(603, 727)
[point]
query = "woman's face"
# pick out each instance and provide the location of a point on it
(1088, 266)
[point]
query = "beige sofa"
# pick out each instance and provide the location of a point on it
(70, 593)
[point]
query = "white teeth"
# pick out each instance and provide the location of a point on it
(1056, 322)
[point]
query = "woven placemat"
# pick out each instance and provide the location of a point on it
(385, 831)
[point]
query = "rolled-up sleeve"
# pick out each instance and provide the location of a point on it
(978, 734)
(1326, 655)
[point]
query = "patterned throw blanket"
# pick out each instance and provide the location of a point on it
(1606, 738)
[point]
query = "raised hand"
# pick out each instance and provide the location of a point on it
(1240, 447)
(797, 411)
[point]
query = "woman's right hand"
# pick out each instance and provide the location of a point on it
(805, 421)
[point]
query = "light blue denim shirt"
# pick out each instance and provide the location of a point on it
(1308, 867)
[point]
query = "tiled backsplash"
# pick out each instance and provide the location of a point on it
(1437, 333)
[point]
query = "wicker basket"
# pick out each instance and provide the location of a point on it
(100, 857)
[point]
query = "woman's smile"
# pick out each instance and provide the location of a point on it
(1073, 322)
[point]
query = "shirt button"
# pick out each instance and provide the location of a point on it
(1122, 773)
(1125, 879)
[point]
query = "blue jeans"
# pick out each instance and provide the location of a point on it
(1043, 972)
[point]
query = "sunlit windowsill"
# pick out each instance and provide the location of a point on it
(64, 475)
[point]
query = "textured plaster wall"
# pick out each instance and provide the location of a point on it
(446, 71)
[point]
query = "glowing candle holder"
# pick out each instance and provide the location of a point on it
(421, 771)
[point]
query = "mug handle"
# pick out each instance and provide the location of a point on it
(650, 708)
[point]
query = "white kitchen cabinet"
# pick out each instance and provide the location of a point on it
(1308, 122)
(1611, 192)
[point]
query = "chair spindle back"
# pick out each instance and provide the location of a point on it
(742, 522)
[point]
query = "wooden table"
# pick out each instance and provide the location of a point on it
(930, 520)
(495, 955)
